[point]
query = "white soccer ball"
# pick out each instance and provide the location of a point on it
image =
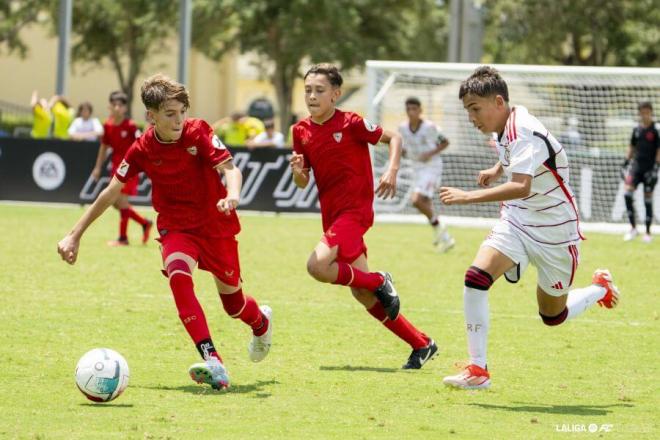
(102, 374)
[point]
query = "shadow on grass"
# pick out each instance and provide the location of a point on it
(108, 405)
(258, 388)
(358, 368)
(578, 410)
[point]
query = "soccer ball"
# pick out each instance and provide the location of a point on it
(102, 374)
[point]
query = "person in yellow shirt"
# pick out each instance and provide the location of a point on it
(231, 130)
(62, 116)
(253, 126)
(42, 117)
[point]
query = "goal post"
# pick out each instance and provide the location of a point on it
(591, 110)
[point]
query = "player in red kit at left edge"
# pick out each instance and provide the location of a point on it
(334, 145)
(197, 221)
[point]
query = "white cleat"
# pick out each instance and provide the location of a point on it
(647, 238)
(446, 245)
(630, 235)
(473, 377)
(211, 372)
(259, 346)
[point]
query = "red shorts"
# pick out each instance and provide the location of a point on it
(347, 233)
(218, 255)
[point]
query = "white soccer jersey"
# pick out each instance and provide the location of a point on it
(420, 141)
(549, 215)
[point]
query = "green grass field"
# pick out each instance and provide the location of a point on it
(333, 372)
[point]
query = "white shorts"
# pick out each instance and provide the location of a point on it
(556, 265)
(427, 179)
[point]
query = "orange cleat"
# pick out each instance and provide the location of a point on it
(603, 278)
(473, 377)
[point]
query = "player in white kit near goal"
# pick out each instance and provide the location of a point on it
(539, 222)
(422, 144)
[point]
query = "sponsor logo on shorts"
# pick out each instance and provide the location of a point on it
(557, 285)
(337, 136)
(229, 273)
(192, 150)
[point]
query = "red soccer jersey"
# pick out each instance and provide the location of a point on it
(185, 185)
(120, 137)
(338, 153)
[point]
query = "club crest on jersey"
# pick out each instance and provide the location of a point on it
(337, 136)
(123, 168)
(192, 150)
(124, 133)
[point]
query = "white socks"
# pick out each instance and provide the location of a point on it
(475, 303)
(580, 300)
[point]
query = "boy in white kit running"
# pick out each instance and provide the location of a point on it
(539, 221)
(422, 144)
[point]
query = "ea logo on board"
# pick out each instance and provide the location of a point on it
(48, 171)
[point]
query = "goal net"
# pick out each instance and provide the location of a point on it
(591, 110)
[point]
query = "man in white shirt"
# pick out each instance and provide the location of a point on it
(539, 222)
(268, 138)
(422, 144)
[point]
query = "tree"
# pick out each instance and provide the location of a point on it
(286, 33)
(573, 32)
(14, 16)
(122, 33)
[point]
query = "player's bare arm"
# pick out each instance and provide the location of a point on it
(439, 148)
(519, 187)
(486, 177)
(100, 157)
(68, 246)
(387, 183)
(300, 173)
(234, 179)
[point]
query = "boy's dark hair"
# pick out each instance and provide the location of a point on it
(484, 81)
(413, 100)
(645, 104)
(118, 95)
(329, 70)
(85, 105)
(158, 89)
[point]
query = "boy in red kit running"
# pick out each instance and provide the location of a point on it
(197, 221)
(119, 133)
(335, 145)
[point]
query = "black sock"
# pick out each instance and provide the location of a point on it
(206, 348)
(649, 215)
(630, 208)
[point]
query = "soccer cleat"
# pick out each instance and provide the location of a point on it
(473, 377)
(647, 238)
(630, 235)
(146, 230)
(259, 346)
(420, 356)
(603, 278)
(446, 245)
(118, 242)
(211, 372)
(388, 297)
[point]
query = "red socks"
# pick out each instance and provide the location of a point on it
(244, 307)
(190, 312)
(133, 215)
(400, 327)
(347, 275)
(123, 223)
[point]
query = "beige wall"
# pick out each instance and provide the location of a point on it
(212, 85)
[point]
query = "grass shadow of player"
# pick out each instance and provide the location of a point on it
(578, 410)
(358, 368)
(107, 405)
(259, 388)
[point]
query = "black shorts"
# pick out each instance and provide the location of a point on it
(638, 175)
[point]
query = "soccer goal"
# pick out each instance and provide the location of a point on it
(591, 110)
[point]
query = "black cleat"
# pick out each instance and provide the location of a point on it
(419, 357)
(386, 294)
